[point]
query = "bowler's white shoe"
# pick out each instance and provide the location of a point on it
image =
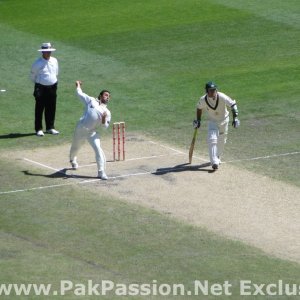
(74, 164)
(53, 131)
(102, 175)
(40, 133)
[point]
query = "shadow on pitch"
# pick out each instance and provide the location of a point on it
(60, 174)
(183, 168)
(16, 135)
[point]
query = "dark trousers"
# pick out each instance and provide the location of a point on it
(45, 100)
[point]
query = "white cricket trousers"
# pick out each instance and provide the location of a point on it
(216, 139)
(82, 134)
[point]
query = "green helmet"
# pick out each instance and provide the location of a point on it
(210, 86)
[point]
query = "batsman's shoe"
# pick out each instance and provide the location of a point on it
(74, 164)
(53, 131)
(215, 166)
(102, 175)
(40, 133)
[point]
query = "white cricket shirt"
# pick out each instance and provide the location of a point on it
(216, 107)
(94, 111)
(45, 71)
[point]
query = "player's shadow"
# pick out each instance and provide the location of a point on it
(59, 174)
(16, 135)
(183, 168)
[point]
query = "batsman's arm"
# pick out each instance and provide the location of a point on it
(235, 113)
(199, 114)
(197, 122)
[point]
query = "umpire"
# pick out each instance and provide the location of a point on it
(44, 72)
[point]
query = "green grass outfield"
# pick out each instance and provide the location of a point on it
(155, 56)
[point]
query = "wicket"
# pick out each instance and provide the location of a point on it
(119, 128)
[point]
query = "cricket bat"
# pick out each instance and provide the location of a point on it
(192, 145)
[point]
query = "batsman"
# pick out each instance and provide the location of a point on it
(216, 105)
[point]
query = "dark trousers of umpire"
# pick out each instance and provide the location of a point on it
(45, 100)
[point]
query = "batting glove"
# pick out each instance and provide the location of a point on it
(236, 123)
(196, 123)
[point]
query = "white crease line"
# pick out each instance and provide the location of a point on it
(131, 175)
(37, 188)
(153, 156)
(132, 159)
(167, 147)
(179, 152)
(50, 186)
(74, 183)
(43, 165)
(263, 157)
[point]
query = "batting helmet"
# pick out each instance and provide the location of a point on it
(210, 86)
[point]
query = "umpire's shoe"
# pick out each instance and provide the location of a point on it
(40, 133)
(52, 131)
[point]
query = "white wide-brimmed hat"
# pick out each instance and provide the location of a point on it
(46, 47)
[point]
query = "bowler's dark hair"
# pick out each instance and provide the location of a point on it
(102, 92)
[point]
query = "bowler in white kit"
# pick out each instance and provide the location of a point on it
(96, 114)
(215, 104)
